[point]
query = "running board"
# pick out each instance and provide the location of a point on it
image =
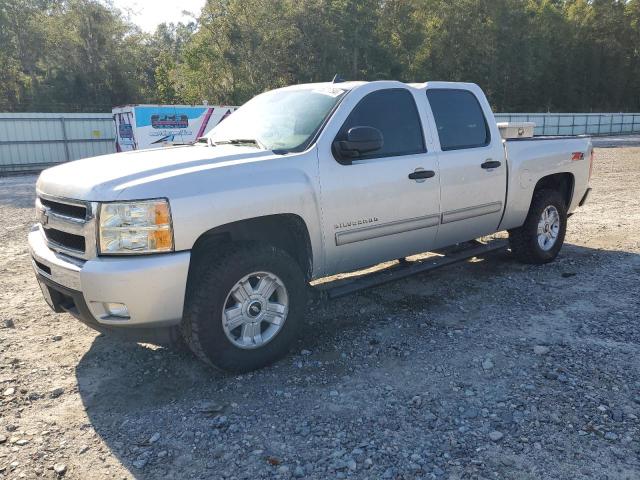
(340, 288)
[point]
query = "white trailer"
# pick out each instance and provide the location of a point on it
(150, 126)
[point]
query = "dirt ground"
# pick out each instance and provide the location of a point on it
(486, 369)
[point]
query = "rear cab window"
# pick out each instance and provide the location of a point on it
(394, 112)
(459, 119)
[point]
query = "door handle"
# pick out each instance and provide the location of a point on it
(421, 174)
(491, 164)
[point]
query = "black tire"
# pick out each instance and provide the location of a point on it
(216, 272)
(524, 240)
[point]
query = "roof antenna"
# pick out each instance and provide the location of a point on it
(337, 78)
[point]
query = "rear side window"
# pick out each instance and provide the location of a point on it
(394, 113)
(459, 119)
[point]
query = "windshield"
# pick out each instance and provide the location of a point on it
(278, 120)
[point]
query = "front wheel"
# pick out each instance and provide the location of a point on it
(541, 236)
(245, 305)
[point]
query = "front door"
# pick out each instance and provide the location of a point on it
(385, 204)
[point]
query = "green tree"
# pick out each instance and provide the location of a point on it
(534, 55)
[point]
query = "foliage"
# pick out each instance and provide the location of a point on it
(528, 55)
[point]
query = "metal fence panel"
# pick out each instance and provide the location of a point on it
(577, 123)
(32, 141)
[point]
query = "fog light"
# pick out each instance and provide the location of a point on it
(119, 310)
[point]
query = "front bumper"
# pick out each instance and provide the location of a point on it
(152, 287)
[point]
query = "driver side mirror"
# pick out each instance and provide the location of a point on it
(360, 140)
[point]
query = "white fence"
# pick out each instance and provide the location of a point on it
(33, 141)
(594, 124)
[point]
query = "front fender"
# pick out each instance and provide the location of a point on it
(281, 185)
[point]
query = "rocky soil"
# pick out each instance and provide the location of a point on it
(485, 370)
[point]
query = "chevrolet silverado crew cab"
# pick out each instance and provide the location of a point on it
(217, 242)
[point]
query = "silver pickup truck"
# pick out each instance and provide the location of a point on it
(216, 243)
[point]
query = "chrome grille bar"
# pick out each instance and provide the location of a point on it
(49, 219)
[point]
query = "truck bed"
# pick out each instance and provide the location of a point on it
(532, 158)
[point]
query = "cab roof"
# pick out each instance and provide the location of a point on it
(350, 85)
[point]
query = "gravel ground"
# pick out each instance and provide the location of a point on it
(486, 369)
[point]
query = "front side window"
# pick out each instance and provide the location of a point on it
(394, 113)
(459, 119)
(284, 120)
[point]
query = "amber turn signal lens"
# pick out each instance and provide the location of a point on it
(162, 214)
(162, 239)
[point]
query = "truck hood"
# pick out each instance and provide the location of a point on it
(106, 177)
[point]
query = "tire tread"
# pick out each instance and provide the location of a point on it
(522, 240)
(212, 268)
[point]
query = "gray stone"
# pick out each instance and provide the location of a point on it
(540, 350)
(140, 463)
(496, 436)
(618, 453)
(507, 461)
(56, 392)
(388, 473)
(470, 413)
(211, 408)
(617, 415)
(60, 468)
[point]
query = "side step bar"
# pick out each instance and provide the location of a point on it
(340, 288)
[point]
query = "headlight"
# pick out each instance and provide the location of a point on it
(128, 228)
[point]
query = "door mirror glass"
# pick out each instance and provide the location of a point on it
(360, 140)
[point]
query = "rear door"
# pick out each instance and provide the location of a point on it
(473, 170)
(377, 208)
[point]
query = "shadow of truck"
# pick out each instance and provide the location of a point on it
(362, 361)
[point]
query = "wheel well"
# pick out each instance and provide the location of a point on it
(285, 231)
(561, 182)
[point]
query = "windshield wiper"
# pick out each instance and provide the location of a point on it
(241, 141)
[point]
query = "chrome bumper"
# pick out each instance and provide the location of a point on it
(152, 287)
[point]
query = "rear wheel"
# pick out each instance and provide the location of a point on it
(541, 236)
(244, 307)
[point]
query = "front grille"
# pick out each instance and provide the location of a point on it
(66, 209)
(65, 239)
(68, 225)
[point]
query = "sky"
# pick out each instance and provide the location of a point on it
(148, 14)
